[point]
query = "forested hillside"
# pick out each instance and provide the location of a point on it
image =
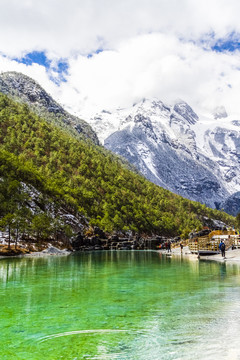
(25, 90)
(47, 173)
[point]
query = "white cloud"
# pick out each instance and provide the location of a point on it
(142, 56)
(35, 71)
(154, 65)
(80, 26)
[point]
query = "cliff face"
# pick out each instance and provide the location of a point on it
(173, 147)
(23, 89)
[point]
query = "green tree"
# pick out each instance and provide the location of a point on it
(12, 206)
(41, 226)
(238, 220)
(79, 178)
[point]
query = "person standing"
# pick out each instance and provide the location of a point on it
(168, 246)
(181, 246)
(222, 248)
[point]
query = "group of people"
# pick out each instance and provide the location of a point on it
(168, 246)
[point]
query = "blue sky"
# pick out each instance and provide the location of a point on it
(226, 45)
(230, 43)
(59, 67)
(37, 57)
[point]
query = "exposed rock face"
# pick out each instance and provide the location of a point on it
(174, 148)
(232, 204)
(25, 90)
(183, 109)
(39, 204)
(223, 145)
(52, 250)
(115, 242)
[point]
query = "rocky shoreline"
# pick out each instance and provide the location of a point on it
(97, 240)
(232, 256)
(100, 241)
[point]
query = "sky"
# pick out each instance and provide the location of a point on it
(105, 54)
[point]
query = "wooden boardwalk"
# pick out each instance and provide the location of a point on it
(209, 244)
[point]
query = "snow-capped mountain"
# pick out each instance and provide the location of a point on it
(194, 156)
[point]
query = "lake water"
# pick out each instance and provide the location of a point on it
(119, 305)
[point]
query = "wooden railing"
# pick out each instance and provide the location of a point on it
(236, 242)
(206, 243)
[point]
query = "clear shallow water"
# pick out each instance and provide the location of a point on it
(119, 305)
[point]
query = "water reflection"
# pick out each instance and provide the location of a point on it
(118, 305)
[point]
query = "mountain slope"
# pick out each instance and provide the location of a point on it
(86, 180)
(197, 158)
(26, 90)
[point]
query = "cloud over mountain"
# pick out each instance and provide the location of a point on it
(115, 53)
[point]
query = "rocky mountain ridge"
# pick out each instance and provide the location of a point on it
(191, 155)
(25, 90)
(174, 147)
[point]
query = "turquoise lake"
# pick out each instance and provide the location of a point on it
(138, 305)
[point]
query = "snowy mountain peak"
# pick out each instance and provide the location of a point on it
(172, 146)
(183, 109)
(220, 113)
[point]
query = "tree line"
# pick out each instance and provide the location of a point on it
(84, 179)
